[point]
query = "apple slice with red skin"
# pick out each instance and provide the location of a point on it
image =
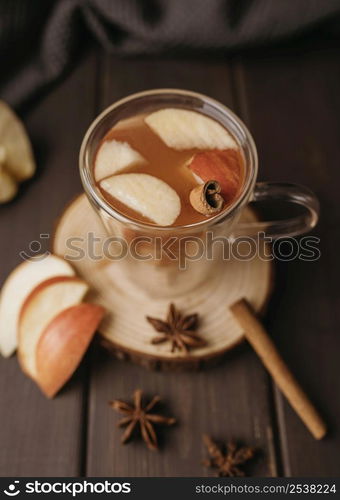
(221, 166)
(63, 344)
(45, 302)
(17, 287)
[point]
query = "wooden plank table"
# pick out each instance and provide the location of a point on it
(292, 106)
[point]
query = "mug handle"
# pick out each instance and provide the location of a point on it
(292, 193)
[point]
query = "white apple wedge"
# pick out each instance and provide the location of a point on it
(44, 303)
(63, 344)
(147, 195)
(183, 129)
(113, 156)
(8, 186)
(19, 284)
(14, 139)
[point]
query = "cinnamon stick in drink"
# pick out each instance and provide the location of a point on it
(272, 360)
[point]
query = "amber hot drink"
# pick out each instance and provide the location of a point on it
(170, 167)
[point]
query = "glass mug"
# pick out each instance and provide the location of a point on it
(170, 261)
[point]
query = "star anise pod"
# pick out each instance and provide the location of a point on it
(138, 415)
(177, 329)
(227, 462)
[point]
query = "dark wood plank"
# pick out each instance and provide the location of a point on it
(292, 105)
(38, 436)
(229, 401)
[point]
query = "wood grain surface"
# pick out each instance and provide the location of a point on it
(298, 141)
(37, 436)
(291, 103)
(125, 332)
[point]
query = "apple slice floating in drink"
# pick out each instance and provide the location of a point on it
(147, 195)
(221, 166)
(19, 284)
(183, 129)
(113, 156)
(62, 345)
(44, 303)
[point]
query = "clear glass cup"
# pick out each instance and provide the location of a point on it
(145, 264)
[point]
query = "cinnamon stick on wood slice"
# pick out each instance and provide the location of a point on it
(266, 350)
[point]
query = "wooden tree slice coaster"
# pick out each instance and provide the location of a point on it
(125, 330)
